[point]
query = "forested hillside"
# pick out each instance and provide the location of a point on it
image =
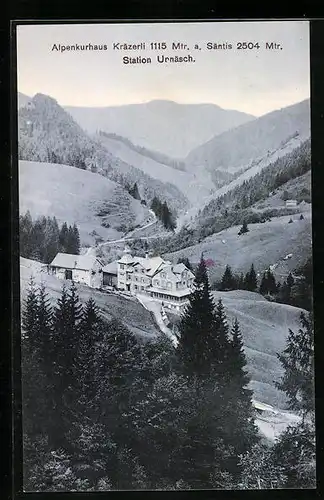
(49, 134)
(252, 141)
(234, 207)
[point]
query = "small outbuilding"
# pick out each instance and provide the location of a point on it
(110, 274)
(85, 269)
(291, 203)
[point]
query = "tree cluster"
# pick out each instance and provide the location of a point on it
(231, 281)
(295, 291)
(41, 239)
(105, 411)
(163, 213)
(133, 191)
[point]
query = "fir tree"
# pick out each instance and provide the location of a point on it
(197, 328)
(223, 361)
(244, 228)
(297, 360)
(268, 284)
(30, 316)
(290, 281)
(86, 368)
(134, 192)
(252, 280)
(63, 237)
(76, 240)
(240, 429)
(240, 284)
(263, 285)
(35, 404)
(228, 281)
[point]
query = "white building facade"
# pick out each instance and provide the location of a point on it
(160, 279)
(84, 269)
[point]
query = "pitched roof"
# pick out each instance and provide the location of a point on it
(126, 259)
(71, 261)
(110, 268)
(178, 268)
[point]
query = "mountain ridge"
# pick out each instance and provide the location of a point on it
(237, 148)
(162, 125)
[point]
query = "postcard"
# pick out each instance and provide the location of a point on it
(165, 240)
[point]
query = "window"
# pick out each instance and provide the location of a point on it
(156, 282)
(143, 280)
(121, 266)
(136, 287)
(68, 274)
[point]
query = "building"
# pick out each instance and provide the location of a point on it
(109, 274)
(291, 203)
(84, 269)
(151, 276)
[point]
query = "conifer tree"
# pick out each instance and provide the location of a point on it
(30, 317)
(240, 284)
(196, 335)
(134, 192)
(228, 281)
(244, 229)
(271, 283)
(221, 367)
(290, 281)
(63, 237)
(66, 320)
(251, 282)
(297, 360)
(86, 365)
(263, 285)
(35, 405)
(76, 240)
(241, 430)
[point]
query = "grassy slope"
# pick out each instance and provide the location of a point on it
(138, 319)
(75, 195)
(264, 245)
(264, 327)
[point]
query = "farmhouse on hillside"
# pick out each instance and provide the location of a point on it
(84, 269)
(164, 282)
(291, 203)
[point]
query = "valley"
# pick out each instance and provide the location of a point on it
(69, 170)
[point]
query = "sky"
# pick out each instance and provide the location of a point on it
(255, 81)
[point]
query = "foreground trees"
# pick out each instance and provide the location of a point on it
(102, 410)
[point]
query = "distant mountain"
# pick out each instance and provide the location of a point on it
(194, 186)
(165, 126)
(247, 144)
(22, 100)
(47, 133)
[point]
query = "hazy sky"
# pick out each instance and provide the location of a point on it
(254, 81)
